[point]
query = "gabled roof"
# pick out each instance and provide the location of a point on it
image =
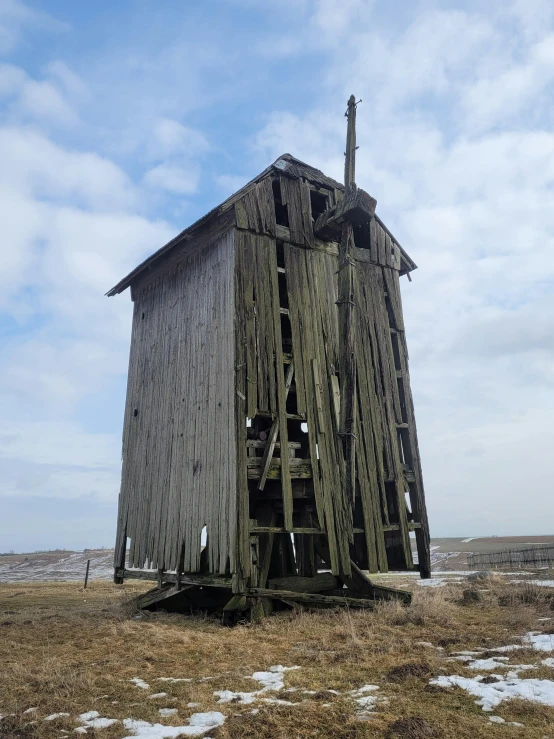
(286, 163)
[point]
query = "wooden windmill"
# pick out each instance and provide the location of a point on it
(270, 450)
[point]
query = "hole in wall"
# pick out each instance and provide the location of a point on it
(362, 235)
(204, 536)
(304, 427)
(135, 412)
(142, 316)
(319, 203)
(248, 423)
(281, 211)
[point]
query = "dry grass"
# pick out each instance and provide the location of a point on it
(63, 649)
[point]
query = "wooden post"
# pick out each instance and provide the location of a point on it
(86, 573)
(350, 155)
(345, 304)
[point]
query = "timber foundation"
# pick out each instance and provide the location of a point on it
(270, 451)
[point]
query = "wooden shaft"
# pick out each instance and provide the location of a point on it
(86, 573)
(350, 157)
(347, 361)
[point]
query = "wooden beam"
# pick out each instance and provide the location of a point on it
(347, 361)
(350, 155)
(313, 598)
(357, 207)
(171, 577)
(316, 584)
(273, 433)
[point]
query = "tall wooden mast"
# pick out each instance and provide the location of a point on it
(346, 307)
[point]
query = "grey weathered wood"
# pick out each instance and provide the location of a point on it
(180, 416)
(208, 352)
(273, 434)
(171, 577)
(313, 598)
(316, 584)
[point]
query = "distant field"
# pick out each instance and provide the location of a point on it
(446, 554)
(451, 553)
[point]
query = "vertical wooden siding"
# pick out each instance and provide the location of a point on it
(179, 439)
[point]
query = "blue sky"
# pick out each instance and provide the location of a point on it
(121, 123)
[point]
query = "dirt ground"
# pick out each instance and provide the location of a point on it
(374, 673)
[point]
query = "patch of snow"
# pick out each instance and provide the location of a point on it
(175, 679)
(362, 698)
(491, 695)
(428, 645)
(471, 538)
(193, 705)
(31, 710)
(157, 695)
(139, 682)
(542, 583)
(500, 720)
(80, 730)
(433, 582)
(487, 664)
(507, 648)
(548, 662)
(271, 681)
(230, 696)
(540, 642)
(511, 674)
(54, 716)
(93, 720)
(199, 724)
(167, 711)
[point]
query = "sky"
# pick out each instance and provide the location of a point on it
(122, 123)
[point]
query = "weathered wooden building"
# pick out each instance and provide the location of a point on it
(269, 411)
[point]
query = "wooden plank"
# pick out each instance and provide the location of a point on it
(298, 469)
(273, 433)
(313, 598)
(318, 391)
(357, 206)
(171, 577)
(158, 595)
(316, 584)
(327, 247)
(347, 339)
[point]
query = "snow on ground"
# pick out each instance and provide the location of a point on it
(490, 695)
(540, 642)
(508, 686)
(198, 725)
(93, 720)
(57, 566)
(272, 680)
(139, 682)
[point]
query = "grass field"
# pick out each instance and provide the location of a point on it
(67, 651)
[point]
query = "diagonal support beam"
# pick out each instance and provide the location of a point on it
(274, 433)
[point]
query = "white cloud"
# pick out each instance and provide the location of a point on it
(28, 98)
(171, 137)
(15, 18)
(173, 179)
